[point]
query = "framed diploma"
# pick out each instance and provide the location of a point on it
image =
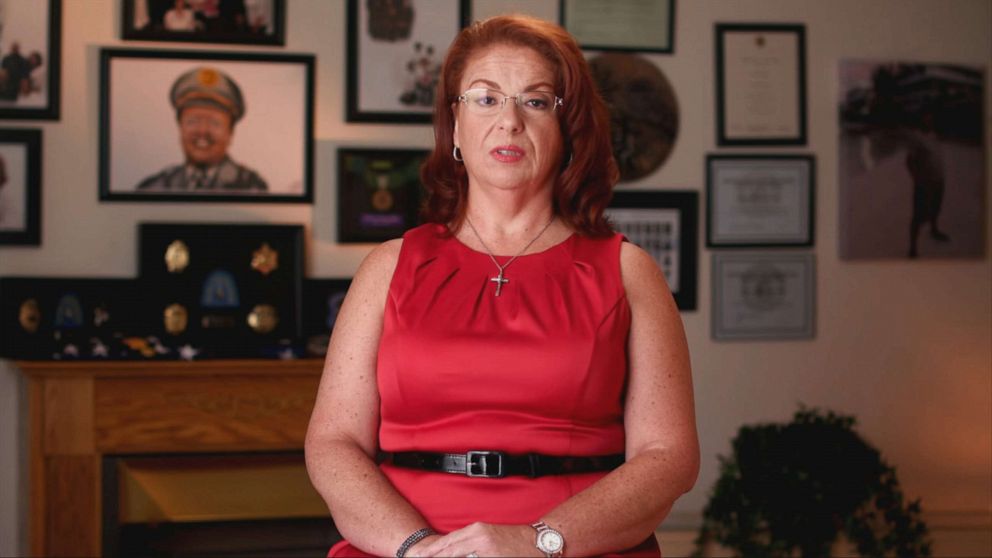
(628, 25)
(759, 200)
(763, 296)
(761, 84)
(663, 223)
(378, 193)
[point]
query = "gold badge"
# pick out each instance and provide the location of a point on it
(263, 318)
(265, 260)
(176, 256)
(208, 77)
(30, 315)
(175, 318)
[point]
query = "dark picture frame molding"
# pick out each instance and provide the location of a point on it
(305, 61)
(352, 206)
(670, 28)
(686, 202)
(53, 64)
(807, 239)
(30, 235)
(278, 37)
(720, 31)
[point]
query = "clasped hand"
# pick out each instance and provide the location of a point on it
(481, 539)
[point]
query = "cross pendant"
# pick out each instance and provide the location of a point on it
(499, 280)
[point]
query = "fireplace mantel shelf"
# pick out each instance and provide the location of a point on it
(80, 412)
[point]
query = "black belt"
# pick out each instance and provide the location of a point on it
(496, 464)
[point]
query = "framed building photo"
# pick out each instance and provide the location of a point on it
(627, 25)
(30, 59)
(761, 84)
(394, 57)
(759, 200)
(205, 126)
(20, 187)
(663, 223)
(379, 193)
(251, 22)
(761, 296)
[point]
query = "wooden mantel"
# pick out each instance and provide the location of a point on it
(81, 411)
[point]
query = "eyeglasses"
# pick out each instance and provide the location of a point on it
(488, 102)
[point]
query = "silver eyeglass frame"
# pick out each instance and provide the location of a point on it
(463, 98)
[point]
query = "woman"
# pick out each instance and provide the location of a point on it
(523, 369)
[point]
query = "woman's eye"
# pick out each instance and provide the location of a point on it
(486, 100)
(537, 103)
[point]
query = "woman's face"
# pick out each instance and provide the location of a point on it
(515, 147)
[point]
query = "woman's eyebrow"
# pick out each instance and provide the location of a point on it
(493, 85)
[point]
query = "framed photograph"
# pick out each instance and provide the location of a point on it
(394, 55)
(255, 22)
(20, 187)
(912, 167)
(482, 9)
(663, 223)
(379, 193)
(759, 200)
(763, 296)
(206, 126)
(626, 25)
(761, 84)
(30, 59)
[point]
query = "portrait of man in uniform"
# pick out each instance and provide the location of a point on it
(208, 104)
(205, 126)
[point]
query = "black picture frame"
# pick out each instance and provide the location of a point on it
(758, 129)
(47, 43)
(20, 189)
(760, 200)
(132, 81)
(655, 219)
(272, 15)
(395, 57)
(625, 19)
(365, 213)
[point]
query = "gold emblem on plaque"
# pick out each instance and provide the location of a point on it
(382, 199)
(263, 318)
(176, 256)
(175, 318)
(30, 315)
(265, 260)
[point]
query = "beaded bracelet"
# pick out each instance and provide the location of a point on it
(413, 539)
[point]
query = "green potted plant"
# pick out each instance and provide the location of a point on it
(799, 486)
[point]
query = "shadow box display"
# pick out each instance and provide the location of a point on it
(379, 193)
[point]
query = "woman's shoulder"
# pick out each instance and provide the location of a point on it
(640, 273)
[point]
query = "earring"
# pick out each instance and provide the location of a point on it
(457, 154)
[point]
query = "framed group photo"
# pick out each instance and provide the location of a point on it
(379, 193)
(623, 25)
(30, 59)
(206, 126)
(760, 200)
(20, 187)
(394, 53)
(761, 84)
(255, 22)
(663, 223)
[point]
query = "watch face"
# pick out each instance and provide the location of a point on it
(550, 541)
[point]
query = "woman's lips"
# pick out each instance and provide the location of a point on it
(507, 153)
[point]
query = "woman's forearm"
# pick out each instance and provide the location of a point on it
(367, 510)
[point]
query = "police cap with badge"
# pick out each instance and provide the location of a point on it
(205, 86)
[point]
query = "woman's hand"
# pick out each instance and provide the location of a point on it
(482, 539)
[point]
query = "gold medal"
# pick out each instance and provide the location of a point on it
(265, 260)
(176, 256)
(382, 199)
(263, 318)
(175, 318)
(30, 315)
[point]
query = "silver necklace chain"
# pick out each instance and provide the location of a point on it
(499, 279)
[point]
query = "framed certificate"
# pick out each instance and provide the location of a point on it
(763, 296)
(761, 84)
(628, 25)
(759, 200)
(663, 223)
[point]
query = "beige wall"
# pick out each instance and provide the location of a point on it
(904, 346)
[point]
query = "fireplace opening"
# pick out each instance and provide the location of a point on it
(212, 505)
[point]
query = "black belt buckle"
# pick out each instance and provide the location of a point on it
(485, 464)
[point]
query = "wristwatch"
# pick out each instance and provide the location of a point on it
(549, 541)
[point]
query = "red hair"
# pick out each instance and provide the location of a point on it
(584, 186)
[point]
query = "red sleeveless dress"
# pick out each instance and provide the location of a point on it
(541, 368)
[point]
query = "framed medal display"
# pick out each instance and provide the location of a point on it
(379, 193)
(322, 299)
